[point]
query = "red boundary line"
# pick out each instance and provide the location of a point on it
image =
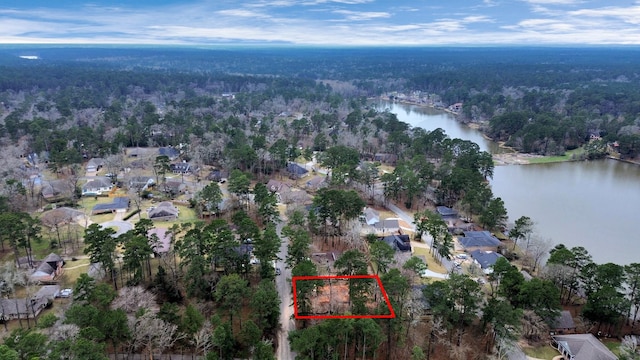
(391, 314)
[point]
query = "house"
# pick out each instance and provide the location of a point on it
(296, 171)
(218, 175)
(118, 204)
(163, 211)
(60, 216)
(479, 240)
(97, 187)
(290, 196)
(317, 182)
(48, 269)
(180, 168)
(392, 225)
(56, 190)
(95, 164)
(398, 242)
(370, 216)
(170, 152)
(385, 158)
(141, 183)
(581, 347)
(446, 213)
(277, 186)
(563, 323)
(485, 259)
(160, 240)
(28, 308)
(174, 188)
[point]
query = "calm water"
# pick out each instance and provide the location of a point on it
(592, 204)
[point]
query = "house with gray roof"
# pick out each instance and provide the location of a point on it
(97, 187)
(164, 211)
(118, 204)
(582, 347)
(160, 240)
(95, 164)
(479, 240)
(48, 269)
(28, 308)
(296, 171)
(485, 259)
(56, 190)
(563, 323)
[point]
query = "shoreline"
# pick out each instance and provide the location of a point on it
(513, 157)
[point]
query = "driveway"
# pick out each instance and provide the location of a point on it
(122, 226)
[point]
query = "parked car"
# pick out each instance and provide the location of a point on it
(65, 293)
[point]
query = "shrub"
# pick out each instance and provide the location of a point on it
(47, 320)
(129, 216)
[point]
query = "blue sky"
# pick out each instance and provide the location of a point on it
(322, 22)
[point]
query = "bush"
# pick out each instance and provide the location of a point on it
(129, 216)
(47, 321)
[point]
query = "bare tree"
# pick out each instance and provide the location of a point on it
(202, 339)
(152, 334)
(132, 299)
(538, 248)
(65, 332)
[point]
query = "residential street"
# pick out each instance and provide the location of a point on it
(283, 284)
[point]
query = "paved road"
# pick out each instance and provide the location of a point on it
(283, 284)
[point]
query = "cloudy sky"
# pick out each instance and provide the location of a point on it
(322, 22)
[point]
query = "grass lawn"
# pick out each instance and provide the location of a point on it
(432, 264)
(72, 271)
(545, 352)
(551, 159)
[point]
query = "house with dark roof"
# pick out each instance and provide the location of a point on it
(446, 212)
(97, 187)
(170, 152)
(386, 158)
(296, 171)
(581, 347)
(479, 240)
(95, 164)
(218, 175)
(563, 323)
(398, 242)
(118, 204)
(485, 259)
(164, 211)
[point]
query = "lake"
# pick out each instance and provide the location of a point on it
(593, 204)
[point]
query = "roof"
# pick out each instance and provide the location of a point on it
(163, 209)
(164, 239)
(170, 152)
(98, 183)
(297, 169)
(371, 216)
(95, 162)
(478, 239)
(398, 242)
(181, 167)
(392, 224)
(486, 259)
(563, 321)
(276, 186)
(61, 215)
(446, 211)
(52, 258)
(118, 203)
(316, 181)
(584, 347)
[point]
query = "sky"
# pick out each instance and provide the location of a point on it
(322, 22)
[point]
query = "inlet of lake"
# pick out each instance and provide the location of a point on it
(594, 204)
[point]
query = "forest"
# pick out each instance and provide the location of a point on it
(250, 113)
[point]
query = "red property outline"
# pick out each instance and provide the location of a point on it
(391, 314)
